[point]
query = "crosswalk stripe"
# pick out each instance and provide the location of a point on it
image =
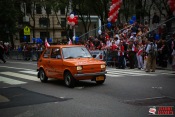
(158, 72)
(30, 72)
(130, 74)
(27, 77)
(17, 68)
(11, 81)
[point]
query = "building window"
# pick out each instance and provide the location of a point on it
(28, 8)
(38, 8)
(63, 33)
(44, 35)
(44, 22)
(48, 10)
(63, 22)
(62, 10)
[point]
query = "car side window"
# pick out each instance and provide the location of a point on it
(46, 53)
(56, 53)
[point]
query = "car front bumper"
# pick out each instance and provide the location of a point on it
(90, 74)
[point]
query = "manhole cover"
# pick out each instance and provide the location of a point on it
(150, 101)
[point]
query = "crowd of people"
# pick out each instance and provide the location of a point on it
(136, 44)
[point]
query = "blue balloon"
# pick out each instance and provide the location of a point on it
(50, 40)
(131, 21)
(76, 39)
(133, 18)
(109, 25)
(33, 39)
(25, 38)
(38, 40)
(157, 37)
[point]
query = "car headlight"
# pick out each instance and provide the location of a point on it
(103, 66)
(79, 68)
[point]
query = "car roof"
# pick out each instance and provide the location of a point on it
(63, 46)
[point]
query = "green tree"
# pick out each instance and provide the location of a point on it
(10, 12)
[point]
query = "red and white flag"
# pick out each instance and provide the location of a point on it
(46, 43)
(70, 42)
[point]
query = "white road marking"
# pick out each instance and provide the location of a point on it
(11, 81)
(18, 75)
(30, 72)
(129, 73)
(17, 68)
(24, 63)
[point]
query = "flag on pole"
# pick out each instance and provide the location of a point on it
(70, 42)
(46, 43)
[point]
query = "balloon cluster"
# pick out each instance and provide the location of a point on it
(113, 11)
(171, 3)
(72, 20)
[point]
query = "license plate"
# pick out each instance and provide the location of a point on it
(99, 78)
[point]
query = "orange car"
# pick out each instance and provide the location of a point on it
(70, 63)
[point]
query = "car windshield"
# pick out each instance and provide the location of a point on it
(75, 52)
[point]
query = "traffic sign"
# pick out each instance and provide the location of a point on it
(26, 30)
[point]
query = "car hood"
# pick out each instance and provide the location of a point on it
(82, 61)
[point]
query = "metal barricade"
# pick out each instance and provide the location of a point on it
(25, 55)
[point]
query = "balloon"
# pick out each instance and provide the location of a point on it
(157, 37)
(50, 40)
(131, 21)
(72, 23)
(109, 25)
(99, 32)
(74, 38)
(33, 39)
(109, 19)
(72, 16)
(133, 18)
(25, 38)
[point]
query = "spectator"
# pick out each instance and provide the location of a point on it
(151, 50)
(121, 63)
(2, 52)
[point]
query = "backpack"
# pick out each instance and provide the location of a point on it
(152, 51)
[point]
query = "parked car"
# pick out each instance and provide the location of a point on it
(70, 63)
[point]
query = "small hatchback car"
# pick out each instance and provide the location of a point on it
(70, 63)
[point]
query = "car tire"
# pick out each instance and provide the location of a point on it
(42, 76)
(69, 80)
(100, 82)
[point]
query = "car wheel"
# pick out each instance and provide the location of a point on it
(69, 80)
(42, 76)
(100, 82)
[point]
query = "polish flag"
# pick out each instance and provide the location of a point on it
(46, 43)
(70, 42)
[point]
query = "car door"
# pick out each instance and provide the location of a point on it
(56, 63)
(44, 61)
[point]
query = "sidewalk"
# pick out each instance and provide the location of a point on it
(169, 66)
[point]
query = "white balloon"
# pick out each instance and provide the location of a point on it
(69, 23)
(74, 38)
(99, 32)
(72, 16)
(72, 23)
(109, 19)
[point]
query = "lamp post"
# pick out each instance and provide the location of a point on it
(73, 27)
